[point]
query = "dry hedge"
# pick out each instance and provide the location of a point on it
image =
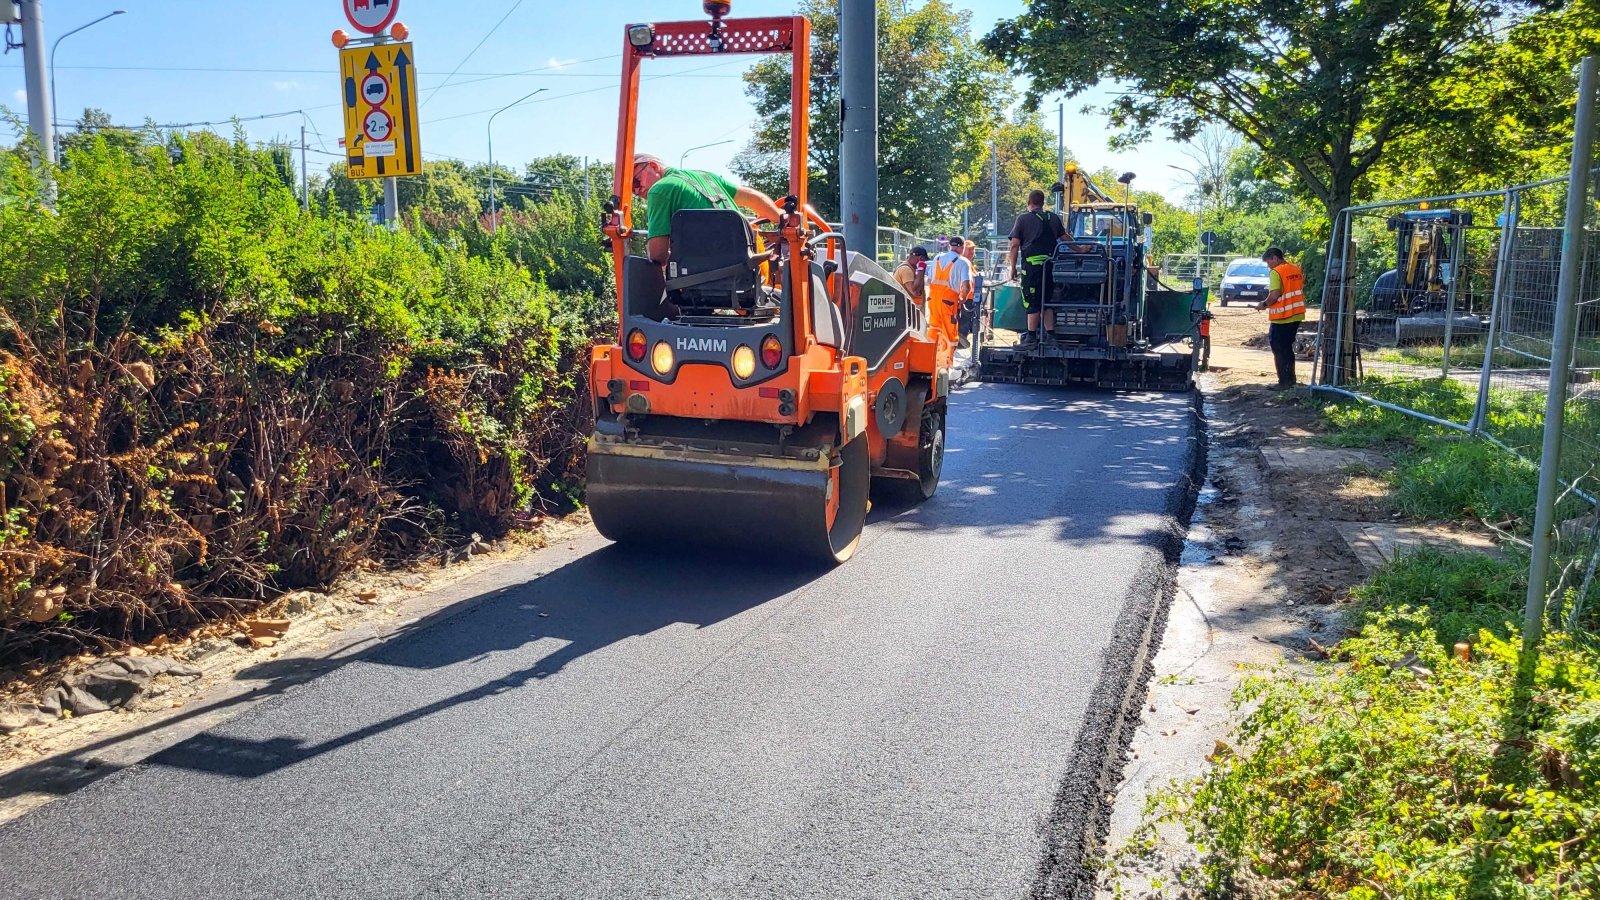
(208, 397)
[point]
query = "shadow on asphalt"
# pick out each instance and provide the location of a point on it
(590, 603)
(1004, 473)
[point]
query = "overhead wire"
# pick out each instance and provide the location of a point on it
(552, 97)
(470, 53)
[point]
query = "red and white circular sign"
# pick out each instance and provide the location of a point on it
(377, 125)
(371, 16)
(374, 89)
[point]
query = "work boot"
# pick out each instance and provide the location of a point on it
(1028, 341)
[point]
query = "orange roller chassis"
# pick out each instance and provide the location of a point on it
(766, 401)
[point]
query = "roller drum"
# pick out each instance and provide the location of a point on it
(677, 498)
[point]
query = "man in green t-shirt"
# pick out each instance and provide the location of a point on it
(669, 190)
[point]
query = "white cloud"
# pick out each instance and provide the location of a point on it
(559, 64)
(287, 85)
(21, 95)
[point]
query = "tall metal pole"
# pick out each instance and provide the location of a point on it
(489, 130)
(1555, 405)
(1508, 238)
(391, 202)
(35, 80)
(57, 43)
(994, 186)
(305, 174)
(858, 84)
(1061, 147)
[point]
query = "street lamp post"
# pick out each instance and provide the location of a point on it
(490, 129)
(1202, 189)
(57, 43)
(686, 153)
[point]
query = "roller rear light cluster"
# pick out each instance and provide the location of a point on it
(771, 351)
(742, 361)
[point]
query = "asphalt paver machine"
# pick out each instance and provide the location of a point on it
(763, 379)
(1106, 320)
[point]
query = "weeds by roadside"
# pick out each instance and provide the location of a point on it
(1398, 769)
(1412, 760)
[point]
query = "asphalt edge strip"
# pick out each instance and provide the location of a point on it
(1080, 818)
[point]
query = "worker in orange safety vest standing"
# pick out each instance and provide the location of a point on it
(1286, 309)
(949, 286)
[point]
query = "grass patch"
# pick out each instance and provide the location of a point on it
(1453, 477)
(1469, 355)
(1401, 771)
(1444, 475)
(1355, 423)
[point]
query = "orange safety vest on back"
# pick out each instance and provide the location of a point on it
(943, 299)
(1291, 306)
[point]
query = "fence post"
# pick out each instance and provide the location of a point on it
(1508, 237)
(1340, 342)
(1457, 255)
(1572, 247)
(1320, 370)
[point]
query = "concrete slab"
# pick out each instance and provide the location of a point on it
(1300, 460)
(1375, 543)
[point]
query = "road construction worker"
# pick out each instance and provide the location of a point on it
(1286, 309)
(912, 274)
(1204, 337)
(968, 319)
(668, 190)
(1033, 238)
(948, 288)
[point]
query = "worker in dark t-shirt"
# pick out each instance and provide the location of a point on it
(1033, 238)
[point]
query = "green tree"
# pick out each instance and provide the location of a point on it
(940, 99)
(1027, 161)
(1325, 89)
(1511, 117)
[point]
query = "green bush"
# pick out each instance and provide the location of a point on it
(1400, 771)
(208, 396)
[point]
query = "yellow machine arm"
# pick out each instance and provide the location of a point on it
(1080, 188)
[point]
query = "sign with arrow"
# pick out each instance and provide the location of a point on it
(380, 110)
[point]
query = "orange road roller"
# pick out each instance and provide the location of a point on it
(767, 376)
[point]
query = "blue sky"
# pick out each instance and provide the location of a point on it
(180, 61)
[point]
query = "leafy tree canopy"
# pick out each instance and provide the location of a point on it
(1026, 152)
(940, 99)
(1325, 89)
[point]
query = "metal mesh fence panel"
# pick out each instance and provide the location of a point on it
(1183, 268)
(1449, 305)
(1415, 296)
(1517, 376)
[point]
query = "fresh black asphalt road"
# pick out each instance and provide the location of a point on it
(909, 725)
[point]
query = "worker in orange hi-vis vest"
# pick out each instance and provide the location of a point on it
(948, 287)
(1286, 309)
